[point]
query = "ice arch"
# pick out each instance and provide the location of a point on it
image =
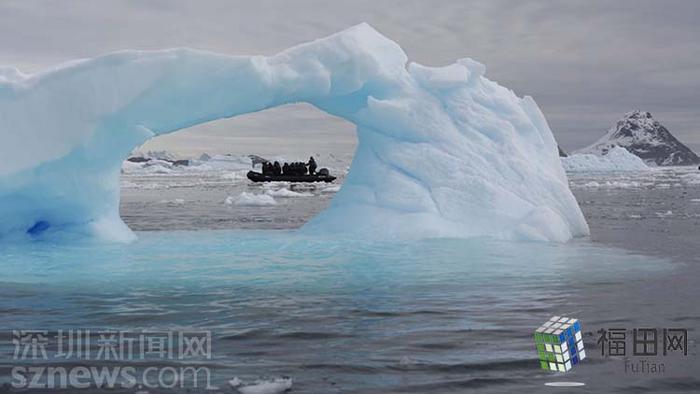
(441, 151)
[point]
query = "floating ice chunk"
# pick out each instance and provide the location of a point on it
(155, 166)
(621, 184)
(232, 167)
(610, 184)
(130, 168)
(284, 192)
(235, 382)
(617, 159)
(157, 169)
(331, 189)
(174, 202)
(272, 386)
(251, 199)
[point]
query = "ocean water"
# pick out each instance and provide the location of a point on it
(359, 316)
(655, 212)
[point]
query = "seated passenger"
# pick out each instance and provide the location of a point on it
(277, 170)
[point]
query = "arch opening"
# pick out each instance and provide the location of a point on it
(195, 178)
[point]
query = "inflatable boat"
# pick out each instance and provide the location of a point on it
(319, 177)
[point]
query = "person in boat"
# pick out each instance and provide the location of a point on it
(285, 168)
(312, 165)
(277, 170)
(265, 168)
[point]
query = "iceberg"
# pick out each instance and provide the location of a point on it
(616, 159)
(442, 151)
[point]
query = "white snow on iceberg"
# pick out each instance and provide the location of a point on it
(442, 151)
(617, 159)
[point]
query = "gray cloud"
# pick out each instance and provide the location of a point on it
(585, 62)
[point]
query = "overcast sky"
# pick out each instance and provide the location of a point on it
(585, 62)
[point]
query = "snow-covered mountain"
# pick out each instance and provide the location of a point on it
(645, 137)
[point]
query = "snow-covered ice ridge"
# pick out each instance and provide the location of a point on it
(442, 151)
(615, 159)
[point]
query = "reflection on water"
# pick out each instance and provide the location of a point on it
(337, 316)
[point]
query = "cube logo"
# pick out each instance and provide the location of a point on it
(559, 344)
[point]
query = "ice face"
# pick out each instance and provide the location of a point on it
(442, 152)
(617, 159)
